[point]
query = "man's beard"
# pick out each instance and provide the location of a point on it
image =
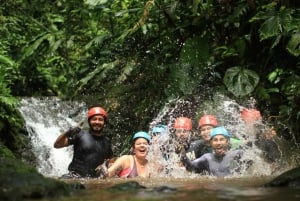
(97, 130)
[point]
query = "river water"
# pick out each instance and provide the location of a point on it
(46, 118)
(181, 189)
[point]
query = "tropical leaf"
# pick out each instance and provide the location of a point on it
(6, 60)
(195, 51)
(294, 44)
(240, 81)
(125, 72)
(29, 50)
(270, 28)
(101, 72)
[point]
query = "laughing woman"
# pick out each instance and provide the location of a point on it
(135, 165)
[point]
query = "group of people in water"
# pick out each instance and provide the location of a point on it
(210, 151)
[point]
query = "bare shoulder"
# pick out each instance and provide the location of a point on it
(124, 159)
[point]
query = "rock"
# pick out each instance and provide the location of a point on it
(127, 186)
(290, 178)
(19, 181)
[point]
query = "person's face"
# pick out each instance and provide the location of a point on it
(182, 134)
(205, 132)
(140, 147)
(219, 143)
(97, 123)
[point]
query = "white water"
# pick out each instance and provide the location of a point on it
(228, 114)
(47, 118)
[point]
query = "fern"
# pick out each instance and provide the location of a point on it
(98, 74)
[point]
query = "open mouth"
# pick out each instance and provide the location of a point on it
(142, 151)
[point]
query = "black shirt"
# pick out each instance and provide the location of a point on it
(89, 152)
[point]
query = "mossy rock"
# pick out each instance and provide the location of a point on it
(20, 181)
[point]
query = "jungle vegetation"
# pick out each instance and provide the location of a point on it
(133, 56)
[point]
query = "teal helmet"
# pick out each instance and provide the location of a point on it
(159, 129)
(221, 130)
(142, 134)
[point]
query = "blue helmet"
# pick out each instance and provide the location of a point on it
(159, 128)
(142, 134)
(221, 130)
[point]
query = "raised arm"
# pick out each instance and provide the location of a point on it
(63, 139)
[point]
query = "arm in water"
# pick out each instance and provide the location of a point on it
(63, 139)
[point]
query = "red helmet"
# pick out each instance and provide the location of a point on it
(183, 123)
(208, 120)
(96, 110)
(250, 115)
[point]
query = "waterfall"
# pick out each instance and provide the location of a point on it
(45, 119)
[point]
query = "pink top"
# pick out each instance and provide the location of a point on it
(129, 172)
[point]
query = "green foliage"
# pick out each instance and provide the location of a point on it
(280, 24)
(240, 81)
(293, 45)
(100, 72)
(7, 101)
(5, 152)
(185, 74)
(137, 54)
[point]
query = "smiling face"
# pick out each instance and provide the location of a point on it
(96, 123)
(220, 144)
(182, 134)
(140, 147)
(205, 132)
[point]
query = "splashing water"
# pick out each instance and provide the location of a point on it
(228, 114)
(45, 119)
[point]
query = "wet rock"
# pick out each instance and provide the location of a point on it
(127, 186)
(19, 181)
(164, 189)
(290, 178)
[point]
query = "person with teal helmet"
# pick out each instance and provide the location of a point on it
(132, 165)
(159, 133)
(206, 124)
(221, 162)
(160, 141)
(142, 134)
(158, 129)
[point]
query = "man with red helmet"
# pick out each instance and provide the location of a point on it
(206, 124)
(91, 148)
(183, 138)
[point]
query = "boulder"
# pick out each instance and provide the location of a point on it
(290, 178)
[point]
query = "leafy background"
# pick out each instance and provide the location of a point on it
(133, 56)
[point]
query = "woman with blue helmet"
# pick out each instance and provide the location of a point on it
(135, 164)
(221, 162)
